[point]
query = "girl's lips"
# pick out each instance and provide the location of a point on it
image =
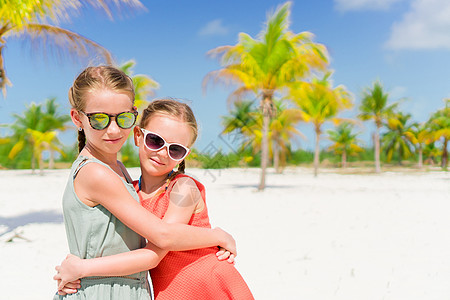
(157, 162)
(113, 141)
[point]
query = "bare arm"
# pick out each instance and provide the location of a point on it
(90, 185)
(185, 200)
(121, 264)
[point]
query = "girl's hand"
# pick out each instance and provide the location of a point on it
(69, 288)
(69, 271)
(224, 254)
(227, 241)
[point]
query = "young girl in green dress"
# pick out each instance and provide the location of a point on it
(102, 214)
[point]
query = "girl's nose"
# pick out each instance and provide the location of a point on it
(164, 151)
(113, 127)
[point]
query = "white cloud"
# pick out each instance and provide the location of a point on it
(358, 5)
(425, 26)
(213, 28)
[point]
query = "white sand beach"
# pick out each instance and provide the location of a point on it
(352, 236)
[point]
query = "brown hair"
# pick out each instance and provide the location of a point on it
(172, 108)
(95, 78)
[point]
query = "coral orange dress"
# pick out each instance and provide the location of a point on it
(194, 274)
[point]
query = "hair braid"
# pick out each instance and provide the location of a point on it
(181, 166)
(180, 170)
(81, 140)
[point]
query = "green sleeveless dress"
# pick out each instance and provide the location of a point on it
(95, 232)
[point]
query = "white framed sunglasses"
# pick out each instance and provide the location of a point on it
(155, 142)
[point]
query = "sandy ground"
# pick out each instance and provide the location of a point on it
(337, 236)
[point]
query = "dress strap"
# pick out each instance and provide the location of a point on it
(85, 160)
(82, 163)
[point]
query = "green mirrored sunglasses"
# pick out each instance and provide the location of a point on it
(100, 120)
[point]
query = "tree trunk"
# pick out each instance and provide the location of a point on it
(444, 159)
(344, 159)
(41, 164)
(265, 142)
(51, 160)
(276, 157)
(317, 153)
(33, 159)
(376, 141)
(420, 164)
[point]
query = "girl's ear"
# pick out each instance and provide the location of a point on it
(137, 134)
(75, 116)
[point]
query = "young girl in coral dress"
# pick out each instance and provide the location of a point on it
(167, 128)
(166, 131)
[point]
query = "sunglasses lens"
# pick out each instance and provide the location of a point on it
(153, 141)
(99, 121)
(176, 152)
(126, 119)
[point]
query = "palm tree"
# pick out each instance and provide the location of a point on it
(35, 119)
(397, 138)
(319, 102)
(42, 141)
(37, 22)
(431, 153)
(236, 124)
(30, 120)
(144, 85)
(239, 117)
(345, 141)
(265, 65)
(439, 125)
(374, 107)
(420, 136)
(53, 120)
(282, 131)
(245, 122)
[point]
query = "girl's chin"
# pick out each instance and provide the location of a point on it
(155, 171)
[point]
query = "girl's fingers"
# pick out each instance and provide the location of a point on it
(69, 288)
(224, 256)
(57, 276)
(231, 259)
(73, 285)
(65, 291)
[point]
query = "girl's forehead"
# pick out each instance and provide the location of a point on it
(162, 118)
(171, 128)
(104, 99)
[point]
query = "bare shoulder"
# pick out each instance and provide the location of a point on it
(185, 192)
(97, 178)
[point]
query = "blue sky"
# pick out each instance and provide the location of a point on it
(403, 43)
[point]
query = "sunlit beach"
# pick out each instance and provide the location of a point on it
(320, 130)
(337, 236)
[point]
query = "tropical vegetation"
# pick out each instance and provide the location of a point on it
(34, 132)
(264, 65)
(374, 106)
(37, 22)
(318, 103)
(280, 82)
(345, 141)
